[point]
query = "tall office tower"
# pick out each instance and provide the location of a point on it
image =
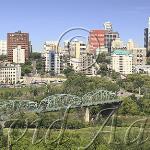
(96, 40)
(102, 38)
(3, 47)
(30, 46)
(109, 37)
(15, 39)
(147, 36)
(108, 26)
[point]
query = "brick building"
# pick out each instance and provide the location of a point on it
(18, 39)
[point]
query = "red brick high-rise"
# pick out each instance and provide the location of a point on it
(15, 39)
(99, 38)
(96, 39)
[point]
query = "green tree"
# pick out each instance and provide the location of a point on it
(35, 56)
(26, 68)
(103, 70)
(138, 83)
(146, 106)
(115, 75)
(68, 71)
(129, 106)
(3, 57)
(102, 58)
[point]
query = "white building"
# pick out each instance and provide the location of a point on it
(3, 47)
(19, 55)
(122, 61)
(53, 62)
(118, 44)
(75, 63)
(51, 46)
(75, 48)
(86, 65)
(131, 44)
(100, 50)
(142, 69)
(10, 73)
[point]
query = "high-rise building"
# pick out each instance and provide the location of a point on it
(3, 47)
(96, 40)
(15, 39)
(53, 62)
(147, 36)
(100, 38)
(85, 65)
(77, 48)
(109, 37)
(131, 44)
(122, 61)
(19, 55)
(10, 73)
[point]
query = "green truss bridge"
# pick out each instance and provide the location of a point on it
(60, 101)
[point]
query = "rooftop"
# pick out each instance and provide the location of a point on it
(121, 52)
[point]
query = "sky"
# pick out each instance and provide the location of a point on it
(48, 19)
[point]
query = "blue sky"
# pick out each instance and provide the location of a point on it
(48, 19)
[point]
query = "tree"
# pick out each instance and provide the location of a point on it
(115, 75)
(3, 57)
(34, 92)
(40, 66)
(35, 56)
(68, 71)
(26, 68)
(103, 70)
(138, 83)
(146, 106)
(79, 84)
(102, 58)
(129, 106)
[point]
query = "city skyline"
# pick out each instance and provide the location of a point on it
(47, 20)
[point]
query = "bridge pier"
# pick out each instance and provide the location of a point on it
(87, 115)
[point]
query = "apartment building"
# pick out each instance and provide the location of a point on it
(19, 55)
(10, 73)
(3, 47)
(122, 61)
